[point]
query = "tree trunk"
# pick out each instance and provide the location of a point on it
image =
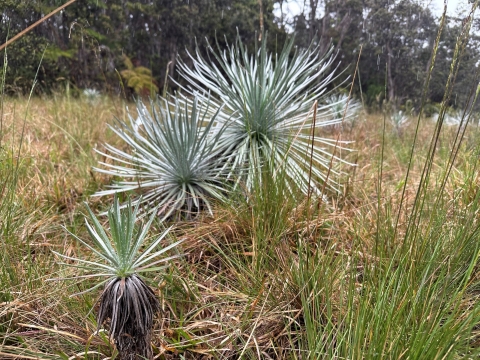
(343, 28)
(261, 20)
(325, 41)
(390, 83)
(173, 59)
(313, 11)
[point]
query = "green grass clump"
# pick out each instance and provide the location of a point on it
(273, 272)
(388, 269)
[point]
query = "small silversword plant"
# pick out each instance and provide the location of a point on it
(92, 95)
(341, 106)
(175, 160)
(127, 301)
(399, 120)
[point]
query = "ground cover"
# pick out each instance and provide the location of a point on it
(386, 269)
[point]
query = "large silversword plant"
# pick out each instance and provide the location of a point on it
(269, 102)
(120, 258)
(174, 158)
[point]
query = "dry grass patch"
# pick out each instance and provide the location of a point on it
(263, 278)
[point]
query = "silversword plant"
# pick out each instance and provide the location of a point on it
(453, 118)
(269, 102)
(240, 115)
(175, 160)
(92, 95)
(121, 260)
(399, 120)
(342, 107)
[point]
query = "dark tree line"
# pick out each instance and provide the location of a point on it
(87, 44)
(397, 39)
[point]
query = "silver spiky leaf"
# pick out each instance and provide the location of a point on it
(269, 102)
(121, 257)
(343, 107)
(174, 160)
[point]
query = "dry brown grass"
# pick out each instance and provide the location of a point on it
(215, 303)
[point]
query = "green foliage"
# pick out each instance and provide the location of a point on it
(375, 94)
(88, 38)
(430, 109)
(139, 78)
(24, 56)
(86, 42)
(54, 53)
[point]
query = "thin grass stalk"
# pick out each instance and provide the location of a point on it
(355, 73)
(2, 94)
(462, 128)
(337, 142)
(22, 134)
(422, 105)
(4, 182)
(380, 171)
(309, 194)
(8, 217)
(458, 52)
(424, 179)
(165, 84)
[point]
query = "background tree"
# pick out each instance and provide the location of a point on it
(397, 38)
(85, 43)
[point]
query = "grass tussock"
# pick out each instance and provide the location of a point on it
(386, 270)
(374, 273)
